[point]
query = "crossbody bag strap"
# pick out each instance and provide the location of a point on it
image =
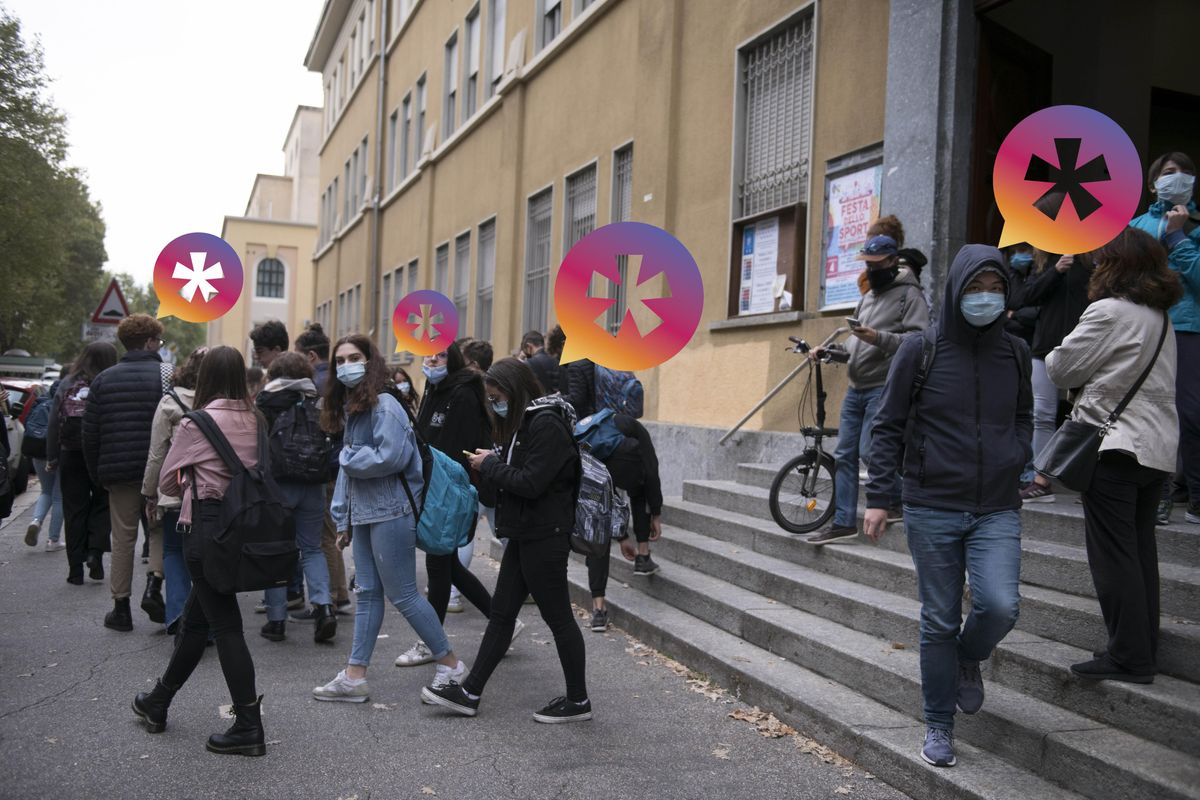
(208, 427)
(1141, 378)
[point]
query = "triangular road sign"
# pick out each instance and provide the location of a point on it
(112, 308)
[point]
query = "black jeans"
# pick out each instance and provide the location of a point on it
(85, 509)
(1118, 511)
(207, 611)
(598, 565)
(447, 569)
(537, 567)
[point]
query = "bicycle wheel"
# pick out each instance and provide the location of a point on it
(802, 493)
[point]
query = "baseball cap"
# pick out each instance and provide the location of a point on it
(877, 248)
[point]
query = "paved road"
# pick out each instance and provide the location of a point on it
(66, 729)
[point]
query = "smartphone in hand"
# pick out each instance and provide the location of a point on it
(853, 322)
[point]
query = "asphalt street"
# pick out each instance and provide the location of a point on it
(66, 730)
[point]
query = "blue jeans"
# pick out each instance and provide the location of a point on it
(854, 443)
(385, 557)
(307, 504)
(175, 573)
(943, 544)
(49, 500)
(1045, 413)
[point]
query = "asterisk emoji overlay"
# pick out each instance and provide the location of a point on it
(635, 294)
(425, 327)
(1069, 179)
(198, 277)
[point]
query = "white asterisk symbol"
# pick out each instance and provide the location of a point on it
(198, 277)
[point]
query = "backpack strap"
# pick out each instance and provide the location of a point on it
(928, 352)
(208, 428)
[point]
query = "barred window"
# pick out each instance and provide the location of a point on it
(581, 206)
(622, 202)
(387, 341)
(441, 269)
(537, 260)
(270, 278)
(485, 279)
(462, 276)
(776, 86)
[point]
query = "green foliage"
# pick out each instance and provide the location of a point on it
(186, 336)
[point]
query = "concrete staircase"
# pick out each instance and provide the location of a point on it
(827, 638)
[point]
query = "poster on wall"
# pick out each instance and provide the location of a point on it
(851, 205)
(760, 258)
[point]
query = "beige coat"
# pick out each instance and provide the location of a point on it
(1103, 356)
(162, 430)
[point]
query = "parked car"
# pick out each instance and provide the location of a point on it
(20, 393)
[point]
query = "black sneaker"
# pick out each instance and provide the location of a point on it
(600, 620)
(453, 697)
(1104, 668)
(833, 533)
(561, 709)
(644, 566)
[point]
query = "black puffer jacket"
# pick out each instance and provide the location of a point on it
(116, 423)
(453, 416)
(538, 485)
(974, 416)
(577, 383)
(1061, 299)
(545, 367)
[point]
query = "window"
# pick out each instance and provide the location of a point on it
(450, 87)
(392, 301)
(362, 172)
(270, 279)
(776, 123)
(441, 269)
(462, 277)
(405, 8)
(485, 279)
(622, 209)
(471, 80)
(580, 213)
(354, 61)
(496, 54)
(369, 29)
(537, 260)
(347, 213)
(420, 148)
(412, 276)
(355, 197)
(341, 317)
(582, 6)
(392, 162)
(333, 206)
(328, 104)
(386, 335)
(549, 23)
(354, 298)
(339, 76)
(405, 133)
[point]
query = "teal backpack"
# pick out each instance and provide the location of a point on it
(449, 504)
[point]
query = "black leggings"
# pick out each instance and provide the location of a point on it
(598, 565)
(207, 611)
(537, 567)
(447, 569)
(85, 508)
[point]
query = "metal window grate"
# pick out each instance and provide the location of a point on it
(581, 206)
(386, 340)
(537, 261)
(485, 278)
(441, 269)
(270, 278)
(462, 276)
(621, 211)
(777, 78)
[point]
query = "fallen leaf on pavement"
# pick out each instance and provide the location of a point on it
(842, 790)
(427, 790)
(766, 723)
(380, 706)
(722, 752)
(52, 740)
(144, 755)
(899, 646)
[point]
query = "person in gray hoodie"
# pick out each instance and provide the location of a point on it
(961, 440)
(892, 307)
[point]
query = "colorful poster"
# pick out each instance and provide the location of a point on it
(760, 258)
(852, 205)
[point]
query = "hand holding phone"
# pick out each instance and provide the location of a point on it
(468, 453)
(853, 322)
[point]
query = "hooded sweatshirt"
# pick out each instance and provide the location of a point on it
(973, 420)
(453, 416)
(897, 309)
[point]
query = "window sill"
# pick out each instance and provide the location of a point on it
(760, 320)
(412, 13)
(550, 50)
(401, 188)
(460, 133)
(325, 248)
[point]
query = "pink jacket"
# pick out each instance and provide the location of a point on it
(191, 451)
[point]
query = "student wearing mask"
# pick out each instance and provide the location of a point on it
(544, 365)
(404, 387)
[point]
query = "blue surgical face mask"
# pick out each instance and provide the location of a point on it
(434, 374)
(351, 374)
(1175, 188)
(404, 387)
(982, 308)
(500, 407)
(1020, 261)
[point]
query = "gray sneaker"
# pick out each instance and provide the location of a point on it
(341, 690)
(833, 533)
(415, 656)
(970, 687)
(939, 747)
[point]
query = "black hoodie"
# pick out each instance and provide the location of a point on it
(453, 416)
(974, 416)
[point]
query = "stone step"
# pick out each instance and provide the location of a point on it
(1055, 566)
(1047, 613)
(877, 738)
(1060, 522)
(1167, 712)
(1094, 759)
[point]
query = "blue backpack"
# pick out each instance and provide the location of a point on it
(449, 503)
(619, 390)
(599, 433)
(36, 426)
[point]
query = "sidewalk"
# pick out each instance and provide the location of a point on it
(66, 729)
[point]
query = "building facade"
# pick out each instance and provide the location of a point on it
(275, 239)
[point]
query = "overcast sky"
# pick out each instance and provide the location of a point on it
(173, 106)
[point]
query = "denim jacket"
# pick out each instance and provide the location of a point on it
(377, 446)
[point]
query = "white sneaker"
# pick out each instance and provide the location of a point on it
(442, 677)
(53, 546)
(415, 656)
(455, 606)
(340, 689)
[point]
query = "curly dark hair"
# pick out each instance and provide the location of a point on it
(1134, 266)
(314, 340)
(290, 365)
(888, 226)
(340, 400)
(270, 334)
(185, 376)
(137, 329)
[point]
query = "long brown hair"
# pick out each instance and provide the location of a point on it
(513, 377)
(222, 376)
(95, 358)
(339, 400)
(1134, 266)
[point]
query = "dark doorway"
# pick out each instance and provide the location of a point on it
(1174, 127)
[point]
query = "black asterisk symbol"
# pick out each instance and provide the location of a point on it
(1068, 179)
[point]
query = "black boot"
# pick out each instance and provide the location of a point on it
(245, 737)
(95, 565)
(152, 599)
(325, 618)
(152, 707)
(119, 619)
(275, 631)
(75, 574)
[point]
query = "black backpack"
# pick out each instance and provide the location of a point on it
(300, 450)
(246, 540)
